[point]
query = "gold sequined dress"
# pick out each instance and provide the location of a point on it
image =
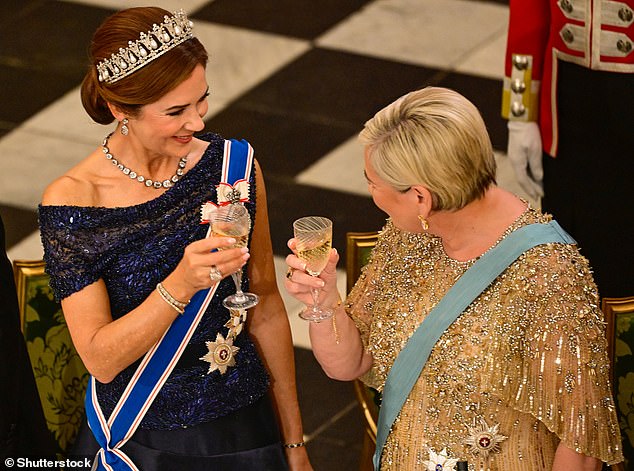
(524, 367)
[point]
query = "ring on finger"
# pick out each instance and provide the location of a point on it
(289, 273)
(215, 274)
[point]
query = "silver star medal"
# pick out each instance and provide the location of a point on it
(439, 461)
(221, 354)
(484, 439)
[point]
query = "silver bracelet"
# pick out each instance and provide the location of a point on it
(177, 305)
(294, 445)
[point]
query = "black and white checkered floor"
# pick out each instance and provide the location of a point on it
(297, 78)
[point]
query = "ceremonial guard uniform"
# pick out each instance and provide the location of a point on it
(569, 66)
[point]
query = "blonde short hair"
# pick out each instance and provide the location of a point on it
(436, 138)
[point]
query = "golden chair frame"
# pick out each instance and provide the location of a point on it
(358, 248)
(24, 272)
(620, 311)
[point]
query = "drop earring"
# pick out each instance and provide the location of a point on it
(423, 222)
(124, 127)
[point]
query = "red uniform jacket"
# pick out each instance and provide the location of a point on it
(597, 34)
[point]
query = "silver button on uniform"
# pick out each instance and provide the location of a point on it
(520, 62)
(518, 109)
(518, 86)
(624, 46)
(566, 6)
(625, 14)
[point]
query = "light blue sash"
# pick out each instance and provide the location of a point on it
(410, 362)
(160, 360)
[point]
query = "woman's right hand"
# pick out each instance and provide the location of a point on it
(193, 271)
(107, 346)
(337, 345)
(298, 283)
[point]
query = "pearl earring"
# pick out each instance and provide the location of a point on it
(124, 127)
(423, 222)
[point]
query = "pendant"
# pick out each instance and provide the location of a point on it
(235, 323)
(221, 354)
(484, 439)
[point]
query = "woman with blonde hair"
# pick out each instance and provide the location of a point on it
(476, 316)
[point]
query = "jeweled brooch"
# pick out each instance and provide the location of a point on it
(483, 439)
(221, 354)
(227, 194)
(232, 194)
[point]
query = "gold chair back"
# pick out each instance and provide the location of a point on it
(619, 316)
(359, 246)
(60, 375)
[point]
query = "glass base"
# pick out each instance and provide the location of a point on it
(316, 314)
(244, 301)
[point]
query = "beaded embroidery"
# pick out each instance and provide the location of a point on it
(529, 355)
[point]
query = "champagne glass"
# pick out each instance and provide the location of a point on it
(233, 220)
(313, 236)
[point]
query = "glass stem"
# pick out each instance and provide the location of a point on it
(237, 279)
(315, 293)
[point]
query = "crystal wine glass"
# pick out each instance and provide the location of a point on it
(313, 236)
(233, 220)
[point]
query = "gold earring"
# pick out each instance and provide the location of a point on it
(423, 222)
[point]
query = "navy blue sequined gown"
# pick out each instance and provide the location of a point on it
(132, 249)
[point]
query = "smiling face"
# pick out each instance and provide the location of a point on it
(166, 127)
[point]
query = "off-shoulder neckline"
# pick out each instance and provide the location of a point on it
(208, 154)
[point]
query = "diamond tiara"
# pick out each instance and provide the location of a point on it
(170, 33)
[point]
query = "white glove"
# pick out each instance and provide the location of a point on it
(525, 152)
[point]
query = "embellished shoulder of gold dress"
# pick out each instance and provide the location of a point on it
(523, 368)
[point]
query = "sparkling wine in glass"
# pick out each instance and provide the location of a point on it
(313, 236)
(233, 220)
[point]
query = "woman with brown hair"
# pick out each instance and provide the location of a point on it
(178, 381)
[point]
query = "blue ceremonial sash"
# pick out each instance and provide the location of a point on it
(160, 360)
(237, 161)
(410, 361)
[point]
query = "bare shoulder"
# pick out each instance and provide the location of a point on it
(66, 190)
(75, 188)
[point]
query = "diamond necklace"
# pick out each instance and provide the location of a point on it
(140, 178)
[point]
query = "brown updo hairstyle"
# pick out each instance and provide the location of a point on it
(146, 85)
